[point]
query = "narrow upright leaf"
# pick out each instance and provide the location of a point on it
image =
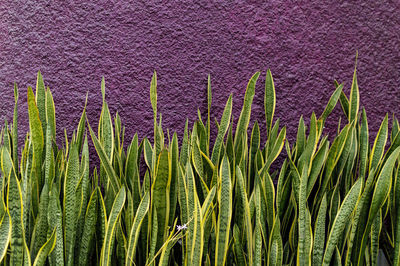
(319, 233)
(269, 100)
(222, 129)
(15, 208)
(160, 194)
(15, 130)
(341, 219)
(354, 96)
(225, 213)
(70, 218)
(5, 234)
(331, 103)
(134, 233)
(153, 94)
(118, 204)
(41, 100)
(244, 117)
(381, 192)
(46, 249)
(50, 114)
(379, 144)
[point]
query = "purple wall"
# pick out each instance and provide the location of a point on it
(307, 45)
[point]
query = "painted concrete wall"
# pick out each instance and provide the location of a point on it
(307, 44)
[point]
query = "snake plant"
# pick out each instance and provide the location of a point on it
(213, 200)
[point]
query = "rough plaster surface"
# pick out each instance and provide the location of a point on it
(306, 44)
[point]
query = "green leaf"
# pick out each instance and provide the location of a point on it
(310, 147)
(276, 148)
(89, 228)
(106, 132)
(338, 259)
(183, 195)
(344, 102)
(101, 221)
(198, 232)
(41, 100)
(5, 234)
(331, 103)
(396, 255)
(209, 101)
(153, 95)
(185, 147)
(225, 213)
(191, 202)
(222, 129)
(341, 220)
(238, 248)
(108, 243)
(246, 208)
(275, 250)
(134, 233)
(152, 240)
(375, 232)
(304, 223)
(354, 96)
(49, 158)
(46, 249)
(148, 154)
(196, 154)
(15, 129)
(244, 117)
(39, 236)
(206, 207)
(269, 100)
(132, 171)
(168, 245)
(173, 196)
(50, 114)
(103, 89)
(301, 137)
(81, 127)
(364, 145)
(115, 183)
(160, 191)
(319, 233)
(381, 192)
(268, 191)
(54, 220)
(36, 133)
(257, 243)
(359, 220)
(379, 145)
(15, 208)
(70, 213)
(254, 147)
(283, 191)
(27, 257)
(318, 162)
(334, 155)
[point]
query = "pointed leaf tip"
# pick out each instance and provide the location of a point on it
(103, 88)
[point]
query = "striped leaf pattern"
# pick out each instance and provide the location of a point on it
(235, 199)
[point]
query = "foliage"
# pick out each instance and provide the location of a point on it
(330, 202)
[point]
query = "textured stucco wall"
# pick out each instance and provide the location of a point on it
(306, 44)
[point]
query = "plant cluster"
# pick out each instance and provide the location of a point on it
(329, 203)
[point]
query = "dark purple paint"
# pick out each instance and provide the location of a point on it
(307, 45)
